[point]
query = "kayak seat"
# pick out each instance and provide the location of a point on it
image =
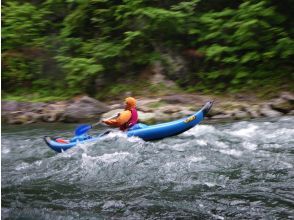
(62, 141)
(82, 137)
(137, 126)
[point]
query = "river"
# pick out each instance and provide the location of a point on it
(236, 170)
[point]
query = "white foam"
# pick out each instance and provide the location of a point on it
(120, 134)
(286, 118)
(5, 150)
(113, 134)
(245, 132)
(218, 217)
(200, 130)
(201, 142)
(249, 146)
(288, 165)
(38, 162)
(135, 140)
(232, 152)
(111, 158)
(210, 184)
(22, 166)
(220, 144)
(107, 158)
(178, 147)
(195, 159)
(113, 205)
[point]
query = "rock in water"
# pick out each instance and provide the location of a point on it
(83, 109)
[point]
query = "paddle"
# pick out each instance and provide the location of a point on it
(82, 129)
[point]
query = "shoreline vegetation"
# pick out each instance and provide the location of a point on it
(106, 48)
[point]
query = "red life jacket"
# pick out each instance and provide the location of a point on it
(133, 120)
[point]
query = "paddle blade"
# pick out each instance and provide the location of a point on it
(82, 129)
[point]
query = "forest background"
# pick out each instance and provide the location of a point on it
(57, 49)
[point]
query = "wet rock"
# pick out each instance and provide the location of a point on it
(253, 111)
(83, 109)
(116, 106)
(146, 117)
(145, 109)
(13, 117)
(111, 113)
(37, 107)
(169, 109)
(52, 116)
(53, 112)
(177, 99)
(222, 116)
(238, 114)
(287, 96)
(20, 117)
(32, 117)
(9, 106)
(282, 105)
(181, 114)
(268, 112)
(215, 111)
(162, 117)
(52, 108)
(145, 102)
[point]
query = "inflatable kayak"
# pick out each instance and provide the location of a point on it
(147, 133)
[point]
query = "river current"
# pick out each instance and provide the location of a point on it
(236, 170)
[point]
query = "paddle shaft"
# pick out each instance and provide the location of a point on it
(99, 122)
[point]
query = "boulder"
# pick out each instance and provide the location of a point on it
(253, 111)
(222, 116)
(9, 106)
(146, 117)
(53, 112)
(282, 105)
(145, 109)
(32, 117)
(111, 113)
(215, 111)
(238, 114)
(267, 111)
(19, 117)
(145, 102)
(185, 112)
(287, 96)
(12, 106)
(116, 106)
(170, 109)
(177, 99)
(82, 109)
(52, 116)
(60, 108)
(37, 107)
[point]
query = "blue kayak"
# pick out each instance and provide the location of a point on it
(145, 132)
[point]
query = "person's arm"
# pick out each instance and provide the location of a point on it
(123, 118)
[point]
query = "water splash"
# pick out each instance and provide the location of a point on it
(235, 170)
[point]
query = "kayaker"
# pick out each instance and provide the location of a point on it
(127, 118)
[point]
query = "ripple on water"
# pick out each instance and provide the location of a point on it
(235, 170)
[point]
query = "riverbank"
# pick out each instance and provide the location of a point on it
(151, 110)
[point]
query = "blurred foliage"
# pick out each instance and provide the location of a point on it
(57, 47)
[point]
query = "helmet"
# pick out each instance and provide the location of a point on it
(130, 102)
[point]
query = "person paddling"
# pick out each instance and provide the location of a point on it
(127, 118)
